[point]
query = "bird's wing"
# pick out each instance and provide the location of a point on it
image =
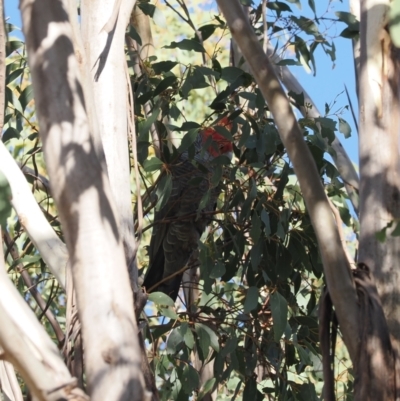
(182, 172)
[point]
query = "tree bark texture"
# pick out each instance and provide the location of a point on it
(88, 214)
(379, 159)
(103, 26)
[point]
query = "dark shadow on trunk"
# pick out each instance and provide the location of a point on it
(375, 365)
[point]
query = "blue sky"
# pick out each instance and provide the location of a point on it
(323, 88)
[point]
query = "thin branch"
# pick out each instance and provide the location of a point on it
(28, 347)
(265, 26)
(51, 248)
(32, 288)
(342, 160)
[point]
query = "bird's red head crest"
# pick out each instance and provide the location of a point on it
(224, 145)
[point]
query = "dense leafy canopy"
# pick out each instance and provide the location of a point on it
(255, 319)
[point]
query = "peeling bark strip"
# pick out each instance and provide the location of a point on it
(89, 218)
(375, 365)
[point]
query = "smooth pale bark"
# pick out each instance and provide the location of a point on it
(103, 42)
(379, 158)
(28, 347)
(51, 248)
(9, 386)
(336, 266)
(89, 217)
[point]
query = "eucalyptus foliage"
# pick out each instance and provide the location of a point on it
(255, 320)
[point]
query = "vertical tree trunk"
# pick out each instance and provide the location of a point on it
(379, 158)
(88, 214)
(103, 33)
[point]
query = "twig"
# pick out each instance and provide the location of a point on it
(132, 134)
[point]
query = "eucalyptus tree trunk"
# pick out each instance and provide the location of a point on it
(92, 225)
(379, 160)
(103, 25)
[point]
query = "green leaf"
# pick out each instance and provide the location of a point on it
(9, 134)
(26, 96)
(152, 164)
(306, 24)
(204, 201)
(255, 230)
(147, 8)
(159, 298)
(224, 132)
(218, 270)
(169, 313)
(251, 300)
(13, 45)
(303, 354)
(231, 74)
(175, 340)
(186, 44)
(265, 219)
(5, 200)
(311, 3)
(203, 339)
(298, 98)
(279, 310)
(189, 338)
(209, 335)
(207, 387)
(349, 19)
(188, 140)
(190, 379)
(230, 346)
(349, 33)
(145, 126)
(278, 6)
(216, 176)
(164, 84)
(288, 62)
(14, 75)
(297, 2)
(206, 31)
(133, 33)
(164, 189)
(163, 66)
(344, 128)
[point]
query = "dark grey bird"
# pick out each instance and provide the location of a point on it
(178, 225)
